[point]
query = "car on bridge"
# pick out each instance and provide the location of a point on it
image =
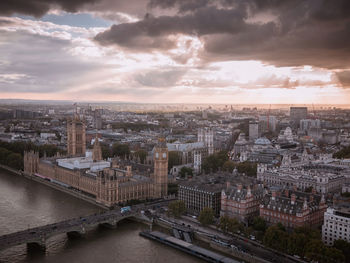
(125, 209)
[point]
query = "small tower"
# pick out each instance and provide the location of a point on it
(96, 151)
(31, 162)
(160, 174)
(76, 144)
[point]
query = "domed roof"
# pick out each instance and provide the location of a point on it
(288, 131)
(262, 141)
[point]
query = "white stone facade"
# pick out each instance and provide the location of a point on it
(336, 225)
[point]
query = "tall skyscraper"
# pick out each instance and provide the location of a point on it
(160, 174)
(297, 114)
(253, 130)
(76, 144)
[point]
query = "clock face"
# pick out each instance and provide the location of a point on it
(164, 155)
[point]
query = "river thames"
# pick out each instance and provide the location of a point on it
(25, 203)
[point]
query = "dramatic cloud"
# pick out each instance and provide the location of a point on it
(38, 8)
(344, 78)
(161, 78)
(285, 33)
(228, 51)
(36, 63)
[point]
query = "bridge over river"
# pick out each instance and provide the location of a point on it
(36, 237)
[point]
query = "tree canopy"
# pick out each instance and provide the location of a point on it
(121, 150)
(185, 171)
(206, 216)
(343, 153)
(177, 208)
(214, 162)
(174, 159)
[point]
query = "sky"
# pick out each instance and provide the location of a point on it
(176, 51)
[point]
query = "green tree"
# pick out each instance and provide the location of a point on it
(276, 238)
(234, 225)
(344, 247)
(314, 250)
(172, 189)
(343, 153)
(214, 162)
(121, 150)
(297, 243)
(177, 208)
(223, 223)
(248, 168)
(106, 150)
(15, 161)
(333, 255)
(229, 166)
(228, 224)
(259, 224)
(174, 159)
(3, 155)
(185, 171)
(206, 216)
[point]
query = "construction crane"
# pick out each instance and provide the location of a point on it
(268, 119)
(313, 108)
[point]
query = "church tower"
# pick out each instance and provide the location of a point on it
(76, 144)
(96, 151)
(160, 174)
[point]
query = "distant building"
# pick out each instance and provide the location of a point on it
(307, 124)
(106, 181)
(253, 130)
(292, 208)
(198, 196)
(206, 135)
(321, 178)
(297, 114)
(25, 114)
(240, 145)
(267, 123)
(262, 152)
(336, 225)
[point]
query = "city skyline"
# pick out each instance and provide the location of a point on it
(205, 51)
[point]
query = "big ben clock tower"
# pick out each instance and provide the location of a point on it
(160, 174)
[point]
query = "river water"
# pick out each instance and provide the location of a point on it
(25, 203)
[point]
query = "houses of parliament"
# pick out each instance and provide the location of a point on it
(105, 180)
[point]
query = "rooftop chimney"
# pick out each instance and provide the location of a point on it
(313, 190)
(293, 198)
(274, 194)
(286, 192)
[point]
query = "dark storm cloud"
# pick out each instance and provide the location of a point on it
(300, 32)
(39, 8)
(153, 32)
(5, 22)
(181, 5)
(344, 78)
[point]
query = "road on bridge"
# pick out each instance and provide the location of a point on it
(38, 235)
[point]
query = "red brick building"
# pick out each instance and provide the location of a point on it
(293, 208)
(241, 202)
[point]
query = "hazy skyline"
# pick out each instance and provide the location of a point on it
(176, 51)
